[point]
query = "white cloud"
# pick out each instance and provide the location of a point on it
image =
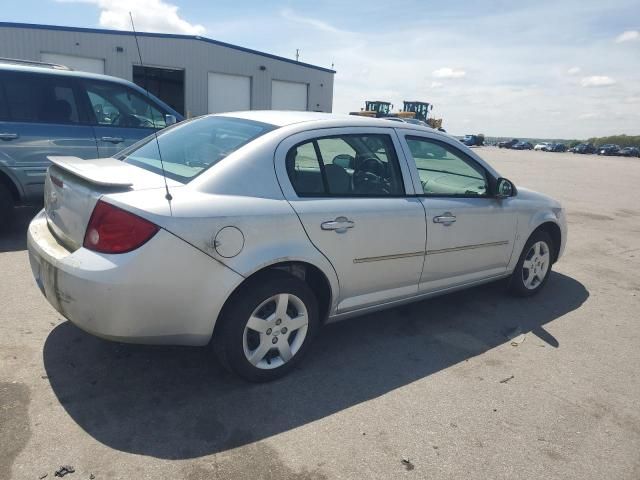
(573, 71)
(436, 84)
(597, 81)
(148, 16)
(588, 116)
(312, 22)
(628, 36)
(448, 72)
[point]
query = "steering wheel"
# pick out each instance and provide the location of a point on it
(369, 177)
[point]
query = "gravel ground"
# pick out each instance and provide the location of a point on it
(432, 390)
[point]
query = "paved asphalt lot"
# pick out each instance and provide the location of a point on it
(437, 383)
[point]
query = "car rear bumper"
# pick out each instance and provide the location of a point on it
(165, 292)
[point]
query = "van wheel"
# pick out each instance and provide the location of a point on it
(6, 207)
(534, 266)
(267, 326)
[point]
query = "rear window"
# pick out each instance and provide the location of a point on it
(190, 148)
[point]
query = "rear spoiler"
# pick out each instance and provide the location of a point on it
(106, 172)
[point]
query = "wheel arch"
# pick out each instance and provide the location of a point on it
(314, 276)
(554, 231)
(8, 181)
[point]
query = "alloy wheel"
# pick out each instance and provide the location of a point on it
(536, 265)
(275, 331)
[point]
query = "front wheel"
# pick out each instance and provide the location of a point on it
(267, 327)
(533, 267)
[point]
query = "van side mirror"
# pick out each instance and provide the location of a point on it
(170, 119)
(505, 188)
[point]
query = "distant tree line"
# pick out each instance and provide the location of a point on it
(622, 140)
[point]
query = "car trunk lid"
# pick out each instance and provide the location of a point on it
(73, 186)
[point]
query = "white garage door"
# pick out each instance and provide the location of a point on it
(82, 64)
(288, 95)
(229, 93)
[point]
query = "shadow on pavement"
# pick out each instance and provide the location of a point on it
(13, 237)
(178, 403)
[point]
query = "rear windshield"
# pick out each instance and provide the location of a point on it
(190, 148)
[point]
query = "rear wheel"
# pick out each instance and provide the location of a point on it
(267, 326)
(6, 207)
(534, 266)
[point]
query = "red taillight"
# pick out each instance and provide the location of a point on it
(113, 230)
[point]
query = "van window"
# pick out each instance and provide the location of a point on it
(4, 109)
(40, 98)
(117, 105)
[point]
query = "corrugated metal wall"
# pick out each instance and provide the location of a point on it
(196, 57)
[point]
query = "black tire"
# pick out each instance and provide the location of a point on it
(6, 207)
(517, 284)
(229, 335)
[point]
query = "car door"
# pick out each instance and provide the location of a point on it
(121, 115)
(353, 195)
(41, 118)
(470, 232)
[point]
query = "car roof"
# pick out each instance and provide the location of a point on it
(283, 118)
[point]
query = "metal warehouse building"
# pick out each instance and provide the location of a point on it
(195, 75)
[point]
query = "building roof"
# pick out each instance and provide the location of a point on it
(161, 35)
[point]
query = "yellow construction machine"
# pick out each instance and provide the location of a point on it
(412, 109)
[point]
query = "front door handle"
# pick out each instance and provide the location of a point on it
(339, 225)
(8, 136)
(445, 219)
(112, 139)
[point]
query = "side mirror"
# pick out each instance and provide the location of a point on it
(170, 119)
(505, 189)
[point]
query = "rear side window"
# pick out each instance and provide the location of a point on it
(40, 98)
(191, 147)
(345, 166)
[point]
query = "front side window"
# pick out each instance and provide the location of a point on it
(117, 105)
(344, 166)
(191, 147)
(445, 171)
(40, 98)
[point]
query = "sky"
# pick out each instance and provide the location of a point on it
(539, 69)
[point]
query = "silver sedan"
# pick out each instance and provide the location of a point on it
(249, 231)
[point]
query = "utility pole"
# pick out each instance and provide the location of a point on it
(297, 54)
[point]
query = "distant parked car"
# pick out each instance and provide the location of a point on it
(473, 140)
(629, 152)
(508, 143)
(523, 146)
(557, 147)
(608, 149)
(48, 109)
(584, 148)
(541, 145)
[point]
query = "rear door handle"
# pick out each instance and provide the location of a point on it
(339, 225)
(445, 219)
(8, 136)
(112, 139)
